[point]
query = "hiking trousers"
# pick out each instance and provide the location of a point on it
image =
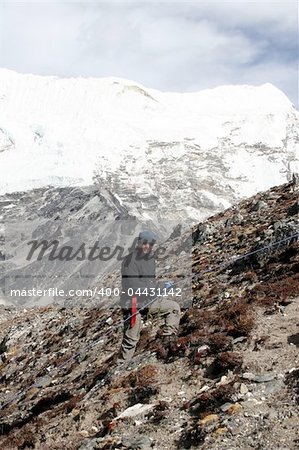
(168, 309)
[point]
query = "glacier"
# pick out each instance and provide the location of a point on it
(161, 154)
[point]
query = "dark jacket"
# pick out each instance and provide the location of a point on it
(138, 272)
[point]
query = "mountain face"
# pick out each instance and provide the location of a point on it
(181, 156)
(67, 238)
(48, 237)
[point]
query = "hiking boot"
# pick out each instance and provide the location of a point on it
(122, 365)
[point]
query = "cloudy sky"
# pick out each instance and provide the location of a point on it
(173, 46)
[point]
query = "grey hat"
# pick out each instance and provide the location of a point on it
(146, 235)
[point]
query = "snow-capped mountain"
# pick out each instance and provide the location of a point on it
(166, 154)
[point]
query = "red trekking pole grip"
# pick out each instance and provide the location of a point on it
(134, 311)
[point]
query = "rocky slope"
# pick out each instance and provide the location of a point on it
(229, 382)
(177, 155)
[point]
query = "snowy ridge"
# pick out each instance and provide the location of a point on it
(198, 151)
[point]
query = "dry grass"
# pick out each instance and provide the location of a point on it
(209, 402)
(237, 318)
(279, 290)
(227, 361)
(144, 377)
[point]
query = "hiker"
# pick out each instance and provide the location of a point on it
(138, 274)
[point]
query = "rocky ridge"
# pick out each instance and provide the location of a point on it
(230, 381)
(61, 218)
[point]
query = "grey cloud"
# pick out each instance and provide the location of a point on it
(179, 46)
